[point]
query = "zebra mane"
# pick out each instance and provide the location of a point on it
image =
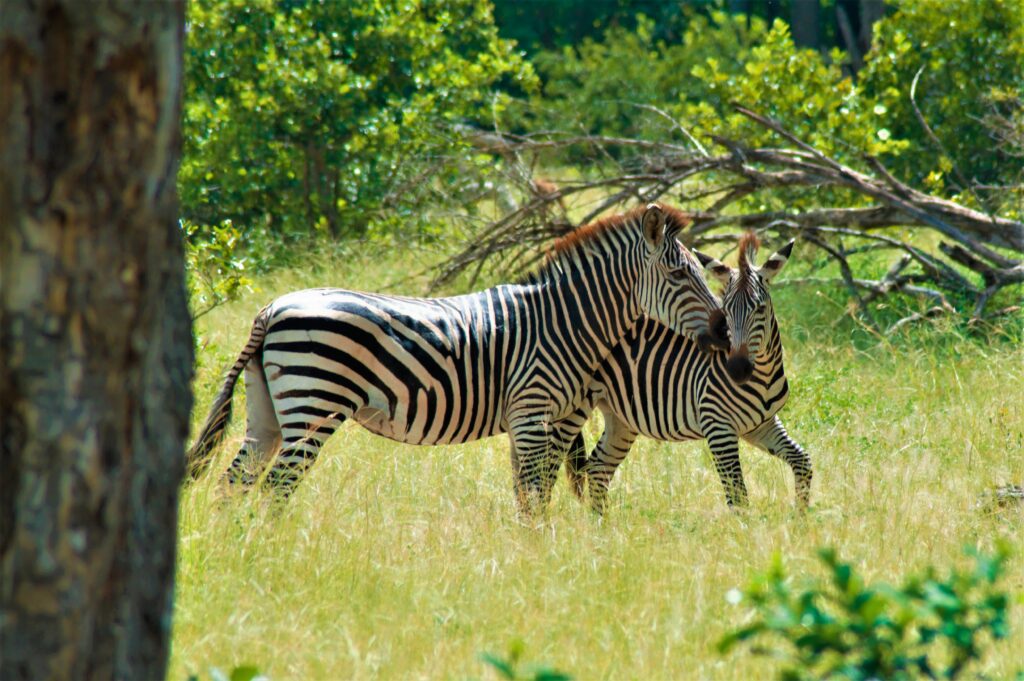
(749, 243)
(575, 240)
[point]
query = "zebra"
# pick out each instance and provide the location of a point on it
(511, 359)
(657, 383)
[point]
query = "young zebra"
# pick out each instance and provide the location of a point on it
(657, 383)
(512, 359)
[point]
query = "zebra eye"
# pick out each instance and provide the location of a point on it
(679, 273)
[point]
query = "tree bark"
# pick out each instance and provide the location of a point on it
(870, 12)
(805, 20)
(95, 336)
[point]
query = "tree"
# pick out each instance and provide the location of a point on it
(805, 18)
(95, 339)
(939, 69)
(322, 115)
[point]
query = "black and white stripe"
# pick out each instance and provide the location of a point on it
(657, 383)
(512, 359)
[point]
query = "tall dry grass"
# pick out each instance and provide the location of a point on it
(396, 561)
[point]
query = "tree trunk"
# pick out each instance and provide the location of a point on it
(324, 189)
(848, 28)
(870, 12)
(95, 336)
(740, 7)
(805, 18)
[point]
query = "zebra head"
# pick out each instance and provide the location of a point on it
(747, 303)
(671, 287)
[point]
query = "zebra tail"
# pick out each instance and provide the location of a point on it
(575, 459)
(200, 454)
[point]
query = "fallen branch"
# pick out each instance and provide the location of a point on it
(989, 247)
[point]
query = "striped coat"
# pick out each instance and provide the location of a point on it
(659, 384)
(512, 359)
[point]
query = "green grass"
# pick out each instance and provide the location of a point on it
(396, 561)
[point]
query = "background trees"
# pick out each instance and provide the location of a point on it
(306, 119)
(95, 340)
(325, 117)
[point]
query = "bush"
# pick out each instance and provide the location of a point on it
(308, 115)
(930, 627)
(969, 90)
(972, 56)
(216, 271)
(799, 88)
(511, 668)
(596, 86)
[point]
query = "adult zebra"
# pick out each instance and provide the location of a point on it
(512, 359)
(657, 383)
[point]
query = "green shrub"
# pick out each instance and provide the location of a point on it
(215, 269)
(808, 94)
(719, 59)
(510, 666)
(305, 115)
(972, 56)
(597, 85)
(929, 627)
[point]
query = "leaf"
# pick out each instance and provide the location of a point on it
(727, 642)
(244, 673)
(502, 666)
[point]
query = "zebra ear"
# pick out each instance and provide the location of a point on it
(653, 224)
(774, 264)
(714, 267)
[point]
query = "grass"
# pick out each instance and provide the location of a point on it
(396, 561)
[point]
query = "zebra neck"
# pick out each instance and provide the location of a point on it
(769, 361)
(593, 298)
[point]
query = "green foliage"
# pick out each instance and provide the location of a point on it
(930, 627)
(553, 25)
(244, 672)
(719, 59)
(597, 86)
(306, 115)
(972, 56)
(216, 272)
(509, 667)
(798, 87)
(969, 90)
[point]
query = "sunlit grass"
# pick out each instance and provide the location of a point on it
(397, 561)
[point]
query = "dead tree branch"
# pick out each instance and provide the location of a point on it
(978, 256)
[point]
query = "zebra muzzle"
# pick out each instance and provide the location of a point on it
(739, 366)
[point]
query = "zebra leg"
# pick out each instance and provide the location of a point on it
(570, 432)
(575, 461)
(566, 444)
(772, 437)
(298, 454)
(262, 431)
(537, 449)
(725, 450)
(611, 450)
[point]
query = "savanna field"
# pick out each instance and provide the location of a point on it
(170, 168)
(396, 561)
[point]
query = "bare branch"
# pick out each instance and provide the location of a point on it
(630, 170)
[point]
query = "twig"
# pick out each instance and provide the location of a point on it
(930, 313)
(642, 170)
(847, 274)
(678, 125)
(964, 184)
